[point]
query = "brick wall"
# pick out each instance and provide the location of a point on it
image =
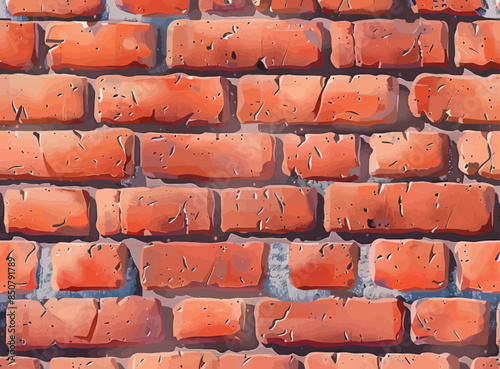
(276, 184)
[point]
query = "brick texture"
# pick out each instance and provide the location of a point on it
(475, 44)
(154, 7)
(477, 154)
(477, 266)
(20, 257)
(58, 9)
(18, 45)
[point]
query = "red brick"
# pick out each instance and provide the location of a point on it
(326, 156)
(477, 266)
(423, 361)
(84, 323)
(341, 36)
(409, 265)
(83, 363)
(20, 257)
(47, 211)
(78, 45)
(243, 44)
(450, 321)
(90, 266)
(199, 320)
(409, 154)
(154, 7)
(272, 209)
(208, 156)
(340, 360)
(221, 5)
(315, 100)
(18, 45)
(176, 359)
(386, 43)
(178, 99)
(409, 207)
(485, 362)
(330, 322)
(30, 99)
(323, 265)
(248, 361)
(460, 99)
(460, 7)
(479, 153)
(367, 7)
(286, 6)
(57, 9)
(67, 155)
(155, 211)
(186, 265)
(19, 362)
(476, 44)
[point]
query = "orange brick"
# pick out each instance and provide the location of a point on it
(234, 361)
(176, 359)
(208, 156)
(154, 7)
(272, 209)
(409, 207)
(47, 211)
(286, 6)
(423, 361)
(409, 265)
(82, 363)
(243, 44)
(478, 153)
(18, 45)
(459, 7)
(409, 154)
(450, 321)
(367, 7)
(330, 322)
(221, 5)
(199, 320)
(485, 363)
(341, 36)
(326, 156)
(19, 363)
(20, 257)
(323, 265)
(76, 45)
(57, 9)
(178, 99)
(476, 44)
(341, 360)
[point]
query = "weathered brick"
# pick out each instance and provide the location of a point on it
(459, 7)
(56, 9)
(154, 7)
(77, 45)
(323, 265)
(155, 211)
(184, 265)
(286, 6)
(178, 99)
(327, 156)
(450, 321)
(478, 153)
(30, 99)
(476, 44)
(316, 100)
(330, 322)
(176, 359)
(199, 320)
(243, 44)
(47, 211)
(221, 5)
(20, 259)
(272, 209)
(477, 266)
(248, 361)
(18, 45)
(425, 360)
(67, 155)
(19, 362)
(485, 363)
(83, 363)
(208, 156)
(409, 154)
(379, 7)
(90, 266)
(409, 265)
(84, 322)
(408, 207)
(340, 360)
(341, 37)
(460, 99)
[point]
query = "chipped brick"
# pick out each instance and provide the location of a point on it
(18, 45)
(379, 7)
(476, 44)
(485, 363)
(56, 9)
(83, 363)
(248, 361)
(423, 361)
(19, 362)
(340, 360)
(459, 7)
(221, 5)
(341, 37)
(286, 6)
(154, 7)
(478, 153)
(20, 257)
(176, 359)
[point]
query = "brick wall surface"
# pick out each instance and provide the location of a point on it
(214, 184)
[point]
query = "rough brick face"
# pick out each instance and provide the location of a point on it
(21, 257)
(327, 156)
(208, 156)
(477, 266)
(450, 321)
(272, 209)
(315, 100)
(185, 265)
(423, 361)
(286, 6)
(330, 322)
(179, 359)
(485, 362)
(199, 320)
(478, 154)
(460, 7)
(221, 6)
(239, 45)
(340, 360)
(409, 154)
(406, 207)
(81, 363)
(476, 45)
(154, 7)
(323, 265)
(20, 363)
(380, 7)
(18, 45)
(101, 46)
(58, 9)
(29, 99)
(234, 361)
(409, 265)
(47, 211)
(178, 99)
